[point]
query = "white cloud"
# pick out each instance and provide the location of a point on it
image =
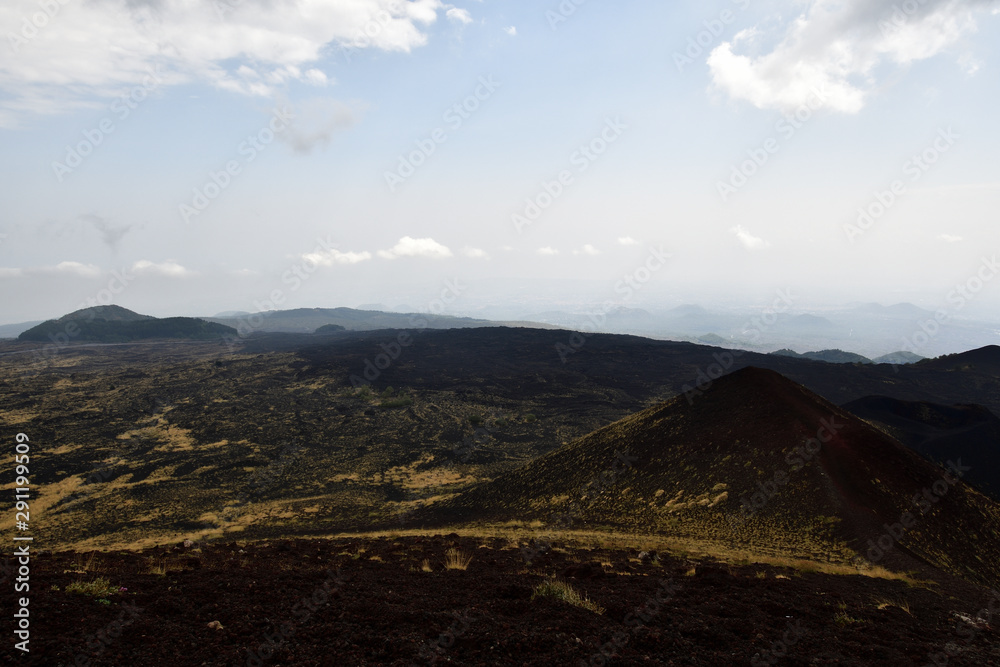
(834, 47)
(333, 257)
(86, 270)
(411, 247)
(90, 52)
(459, 15)
(10, 273)
(547, 251)
(475, 253)
(511, 30)
(750, 241)
(169, 268)
(627, 240)
(969, 64)
(316, 77)
(587, 250)
(948, 238)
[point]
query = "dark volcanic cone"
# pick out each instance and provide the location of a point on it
(757, 463)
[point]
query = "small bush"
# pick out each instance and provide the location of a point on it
(842, 618)
(402, 402)
(98, 588)
(476, 420)
(530, 417)
(563, 591)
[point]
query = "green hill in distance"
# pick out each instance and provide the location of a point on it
(114, 324)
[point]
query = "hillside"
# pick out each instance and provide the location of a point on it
(145, 437)
(109, 313)
(983, 360)
(88, 326)
(829, 356)
(744, 465)
(941, 433)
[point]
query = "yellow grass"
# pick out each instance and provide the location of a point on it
(456, 560)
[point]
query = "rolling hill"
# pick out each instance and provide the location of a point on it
(308, 320)
(114, 324)
(761, 464)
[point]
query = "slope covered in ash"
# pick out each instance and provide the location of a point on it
(941, 433)
(763, 464)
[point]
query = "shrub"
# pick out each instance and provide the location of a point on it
(402, 402)
(456, 560)
(563, 591)
(98, 588)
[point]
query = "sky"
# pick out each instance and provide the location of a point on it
(186, 157)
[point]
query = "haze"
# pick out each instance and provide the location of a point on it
(535, 154)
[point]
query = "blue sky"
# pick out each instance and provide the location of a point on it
(700, 152)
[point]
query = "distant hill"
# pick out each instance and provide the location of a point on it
(106, 314)
(732, 467)
(984, 360)
(114, 324)
(308, 320)
(15, 330)
(941, 433)
(829, 356)
(712, 339)
(330, 328)
(898, 358)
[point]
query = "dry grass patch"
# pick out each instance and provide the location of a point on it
(456, 560)
(883, 603)
(842, 618)
(563, 591)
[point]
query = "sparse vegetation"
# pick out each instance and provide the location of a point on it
(98, 588)
(157, 566)
(400, 402)
(883, 603)
(842, 618)
(456, 560)
(563, 591)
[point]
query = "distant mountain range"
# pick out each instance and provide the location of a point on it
(841, 357)
(308, 320)
(857, 334)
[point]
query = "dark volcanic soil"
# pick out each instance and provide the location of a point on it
(368, 602)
